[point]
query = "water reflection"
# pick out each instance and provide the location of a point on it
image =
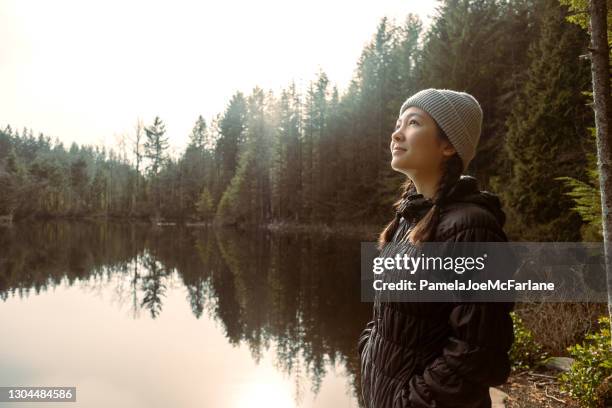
(140, 316)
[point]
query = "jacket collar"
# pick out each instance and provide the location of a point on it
(466, 189)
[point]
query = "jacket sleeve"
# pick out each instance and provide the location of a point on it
(475, 356)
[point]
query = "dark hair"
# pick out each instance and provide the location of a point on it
(424, 230)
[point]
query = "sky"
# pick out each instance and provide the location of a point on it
(86, 71)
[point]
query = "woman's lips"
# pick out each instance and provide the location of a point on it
(398, 150)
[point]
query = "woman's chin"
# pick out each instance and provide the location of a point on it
(398, 164)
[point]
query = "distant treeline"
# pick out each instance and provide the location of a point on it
(319, 156)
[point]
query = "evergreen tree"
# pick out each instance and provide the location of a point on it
(315, 134)
(378, 92)
(289, 167)
(231, 137)
(195, 168)
(477, 46)
(547, 132)
(155, 147)
(205, 205)
(248, 197)
(78, 180)
(199, 134)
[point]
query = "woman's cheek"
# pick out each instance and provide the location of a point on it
(421, 148)
(406, 160)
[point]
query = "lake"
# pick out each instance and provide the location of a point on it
(136, 316)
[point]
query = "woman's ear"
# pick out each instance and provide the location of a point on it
(448, 149)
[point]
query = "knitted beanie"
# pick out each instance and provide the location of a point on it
(457, 113)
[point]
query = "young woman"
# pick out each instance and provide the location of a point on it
(426, 355)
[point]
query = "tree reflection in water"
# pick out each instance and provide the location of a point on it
(296, 294)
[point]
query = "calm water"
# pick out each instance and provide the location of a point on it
(180, 317)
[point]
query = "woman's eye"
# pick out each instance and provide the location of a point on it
(412, 120)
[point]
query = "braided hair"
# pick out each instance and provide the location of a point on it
(425, 229)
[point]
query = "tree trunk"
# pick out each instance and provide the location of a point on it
(600, 70)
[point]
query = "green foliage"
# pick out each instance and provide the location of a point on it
(287, 169)
(587, 196)
(525, 351)
(317, 155)
(593, 364)
(156, 145)
(579, 15)
(232, 206)
(199, 135)
(13, 182)
(547, 128)
(205, 205)
(232, 126)
(195, 173)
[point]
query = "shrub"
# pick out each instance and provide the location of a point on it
(556, 326)
(593, 365)
(525, 351)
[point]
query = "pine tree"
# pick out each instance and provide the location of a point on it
(248, 196)
(231, 137)
(477, 46)
(377, 91)
(199, 134)
(287, 163)
(547, 132)
(155, 147)
(205, 205)
(79, 180)
(315, 136)
(195, 168)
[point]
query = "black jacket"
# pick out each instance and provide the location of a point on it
(425, 355)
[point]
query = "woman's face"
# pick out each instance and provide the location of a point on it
(415, 145)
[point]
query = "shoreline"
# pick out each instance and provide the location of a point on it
(367, 232)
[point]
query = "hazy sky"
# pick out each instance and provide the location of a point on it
(84, 71)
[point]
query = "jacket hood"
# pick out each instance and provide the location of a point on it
(464, 190)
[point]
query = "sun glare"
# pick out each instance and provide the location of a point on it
(269, 394)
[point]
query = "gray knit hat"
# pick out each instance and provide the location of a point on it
(457, 113)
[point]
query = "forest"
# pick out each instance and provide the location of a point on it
(319, 156)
